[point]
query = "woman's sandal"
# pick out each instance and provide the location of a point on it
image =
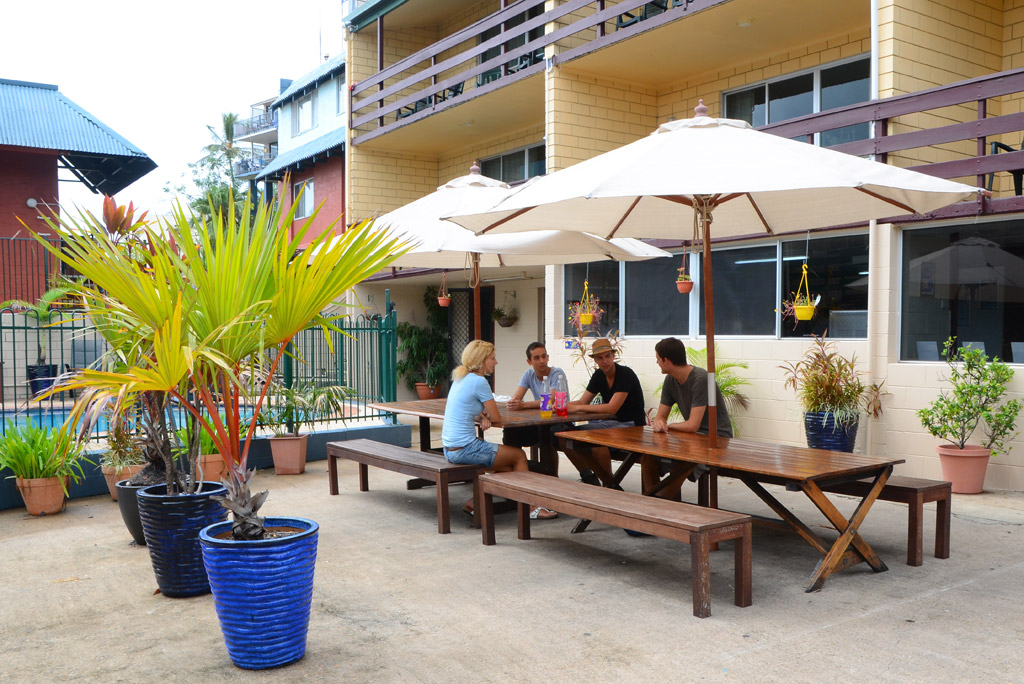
(541, 513)
(468, 510)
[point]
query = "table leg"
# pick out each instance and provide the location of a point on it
(332, 473)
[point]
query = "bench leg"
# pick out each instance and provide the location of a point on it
(364, 480)
(478, 502)
(444, 520)
(942, 518)
(701, 570)
(523, 515)
(332, 473)
(743, 572)
(915, 531)
(485, 511)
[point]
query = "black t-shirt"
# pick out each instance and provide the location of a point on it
(632, 409)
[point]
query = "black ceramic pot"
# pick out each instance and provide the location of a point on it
(129, 505)
(172, 524)
(824, 433)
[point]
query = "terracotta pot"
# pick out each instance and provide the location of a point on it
(425, 391)
(114, 476)
(213, 467)
(684, 286)
(444, 301)
(289, 454)
(965, 468)
(43, 495)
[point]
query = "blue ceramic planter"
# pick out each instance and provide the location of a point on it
(262, 590)
(171, 525)
(823, 433)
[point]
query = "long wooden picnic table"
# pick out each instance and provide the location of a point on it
(756, 463)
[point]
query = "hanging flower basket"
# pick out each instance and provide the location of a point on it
(586, 311)
(507, 321)
(444, 298)
(444, 301)
(684, 286)
(804, 312)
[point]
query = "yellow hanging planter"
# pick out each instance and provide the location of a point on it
(586, 318)
(803, 306)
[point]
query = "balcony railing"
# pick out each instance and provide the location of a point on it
(256, 124)
(252, 165)
(421, 83)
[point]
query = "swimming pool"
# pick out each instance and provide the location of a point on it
(55, 416)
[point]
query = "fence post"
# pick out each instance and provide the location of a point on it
(389, 351)
(289, 379)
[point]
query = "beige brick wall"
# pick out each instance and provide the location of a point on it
(380, 181)
(457, 163)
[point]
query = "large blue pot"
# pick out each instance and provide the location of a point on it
(262, 590)
(824, 433)
(171, 525)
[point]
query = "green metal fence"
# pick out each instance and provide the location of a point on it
(33, 353)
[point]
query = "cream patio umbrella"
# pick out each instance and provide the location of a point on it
(689, 172)
(442, 244)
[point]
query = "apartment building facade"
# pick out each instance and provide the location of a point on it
(533, 86)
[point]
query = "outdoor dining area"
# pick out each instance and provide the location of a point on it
(791, 553)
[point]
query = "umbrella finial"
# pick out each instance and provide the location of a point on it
(700, 109)
(474, 170)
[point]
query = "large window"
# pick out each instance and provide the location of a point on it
(305, 202)
(743, 282)
(602, 279)
(819, 90)
(304, 114)
(837, 270)
(963, 281)
(653, 305)
(515, 166)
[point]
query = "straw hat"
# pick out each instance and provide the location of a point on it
(601, 346)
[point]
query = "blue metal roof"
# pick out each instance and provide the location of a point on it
(368, 13)
(291, 160)
(37, 115)
(307, 83)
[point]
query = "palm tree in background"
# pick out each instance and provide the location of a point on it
(222, 153)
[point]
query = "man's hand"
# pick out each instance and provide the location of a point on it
(659, 425)
(514, 404)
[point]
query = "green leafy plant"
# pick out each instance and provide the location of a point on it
(301, 405)
(827, 382)
(123, 449)
(728, 382)
(581, 349)
(977, 398)
(500, 313)
(30, 451)
(425, 347)
(683, 276)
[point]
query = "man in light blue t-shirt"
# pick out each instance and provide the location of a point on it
(533, 380)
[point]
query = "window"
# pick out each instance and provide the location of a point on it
(822, 89)
(340, 92)
(744, 291)
(526, 60)
(837, 269)
(304, 114)
(653, 305)
(515, 166)
(602, 279)
(305, 203)
(965, 281)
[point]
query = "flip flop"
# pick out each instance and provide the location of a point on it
(541, 513)
(468, 510)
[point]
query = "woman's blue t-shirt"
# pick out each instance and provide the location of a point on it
(465, 402)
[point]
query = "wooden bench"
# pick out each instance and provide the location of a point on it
(699, 527)
(428, 466)
(915, 492)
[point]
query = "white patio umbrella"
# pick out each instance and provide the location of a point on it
(692, 171)
(442, 244)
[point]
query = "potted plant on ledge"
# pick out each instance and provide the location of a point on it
(832, 395)
(976, 399)
(42, 462)
(298, 406)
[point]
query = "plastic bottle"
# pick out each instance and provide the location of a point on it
(545, 398)
(561, 395)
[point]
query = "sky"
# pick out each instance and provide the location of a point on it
(159, 73)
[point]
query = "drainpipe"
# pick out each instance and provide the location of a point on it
(873, 247)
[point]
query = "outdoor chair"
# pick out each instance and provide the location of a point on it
(928, 350)
(1018, 174)
(1017, 352)
(450, 91)
(647, 11)
(408, 110)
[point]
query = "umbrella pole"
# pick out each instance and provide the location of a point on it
(703, 206)
(477, 327)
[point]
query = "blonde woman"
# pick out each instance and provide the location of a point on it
(470, 399)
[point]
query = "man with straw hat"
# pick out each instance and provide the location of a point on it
(621, 394)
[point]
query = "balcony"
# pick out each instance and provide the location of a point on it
(260, 129)
(487, 78)
(247, 169)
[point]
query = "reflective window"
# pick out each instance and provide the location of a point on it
(843, 85)
(837, 270)
(305, 201)
(515, 166)
(790, 98)
(653, 304)
(744, 291)
(304, 117)
(603, 282)
(964, 281)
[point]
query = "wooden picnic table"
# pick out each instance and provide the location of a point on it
(756, 463)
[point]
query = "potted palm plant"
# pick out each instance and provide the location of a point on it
(976, 399)
(42, 461)
(40, 375)
(217, 299)
(298, 406)
(833, 395)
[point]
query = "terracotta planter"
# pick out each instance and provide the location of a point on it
(43, 495)
(289, 454)
(425, 391)
(684, 286)
(965, 468)
(444, 301)
(114, 476)
(213, 467)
